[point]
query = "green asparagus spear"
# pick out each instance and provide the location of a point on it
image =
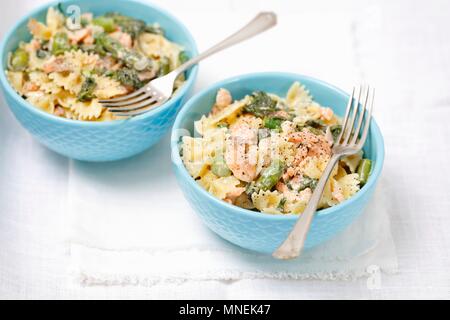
(270, 176)
(364, 170)
(131, 58)
(164, 66)
(132, 26)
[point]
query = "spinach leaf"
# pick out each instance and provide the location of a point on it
(335, 131)
(261, 104)
(155, 29)
(128, 77)
(307, 182)
(87, 90)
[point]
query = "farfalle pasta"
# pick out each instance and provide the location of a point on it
(65, 69)
(266, 153)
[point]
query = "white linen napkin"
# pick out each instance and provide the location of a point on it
(131, 225)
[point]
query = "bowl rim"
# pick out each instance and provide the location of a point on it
(178, 163)
(9, 90)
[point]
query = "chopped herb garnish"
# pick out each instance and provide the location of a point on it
(281, 204)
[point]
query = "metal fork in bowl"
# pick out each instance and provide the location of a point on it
(355, 128)
(159, 90)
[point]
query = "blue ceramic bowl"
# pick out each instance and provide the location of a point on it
(260, 231)
(99, 141)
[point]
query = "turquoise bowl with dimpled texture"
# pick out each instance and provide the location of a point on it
(100, 141)
(260, 231)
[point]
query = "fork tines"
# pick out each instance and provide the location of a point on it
(135, 103)
(358, 112)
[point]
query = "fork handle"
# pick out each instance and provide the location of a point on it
(293, 245)
(262, 22)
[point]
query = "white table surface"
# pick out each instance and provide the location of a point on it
(400, 46)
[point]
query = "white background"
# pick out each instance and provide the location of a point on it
(401, 47)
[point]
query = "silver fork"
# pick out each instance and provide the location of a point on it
(159, 90)
(346, 143)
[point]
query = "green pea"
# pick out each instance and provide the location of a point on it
(364, 167)
(183, 57)
(106, 23)
(60, 43)
(219, 166)
(19, 60)
(273, 123)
